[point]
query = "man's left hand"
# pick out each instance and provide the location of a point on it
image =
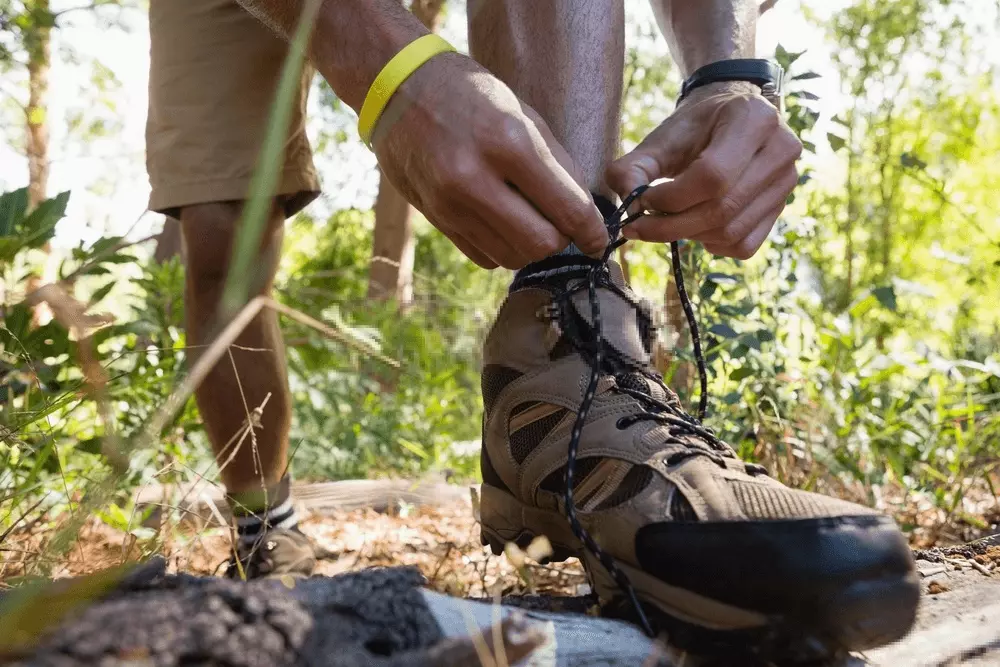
(732, 160)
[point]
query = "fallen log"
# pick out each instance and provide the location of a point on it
(384, 618)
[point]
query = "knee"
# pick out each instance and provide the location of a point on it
(209, 234)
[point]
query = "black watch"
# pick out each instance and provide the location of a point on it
(764, 73)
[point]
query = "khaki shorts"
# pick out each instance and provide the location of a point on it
(213, 73)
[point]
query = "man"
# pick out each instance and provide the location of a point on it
(511, 153)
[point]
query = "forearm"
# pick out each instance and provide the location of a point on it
(352, 39)
(700, 32)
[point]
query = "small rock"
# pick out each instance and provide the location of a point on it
(936, 587)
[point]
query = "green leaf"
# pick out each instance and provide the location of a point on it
(723, 330)
(836, 143)
(741, 373)
(102, 292)
(803, 94)
(786, 58)
(806, 76)
(90, 445)
(40, 225)
(12, 208)
(764, 335)
(413, 447)
(264, 183)
(886, 295)
(707, 289)
(862, 306)
(722, 278)
(840, 121)
(732, 398)
(103, 244)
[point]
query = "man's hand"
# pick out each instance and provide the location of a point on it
(483, 167)
(732, 161)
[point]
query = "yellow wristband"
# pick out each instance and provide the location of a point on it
(395, 72)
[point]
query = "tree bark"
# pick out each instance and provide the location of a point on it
(38, 44)
(391, 273)
(390, 276)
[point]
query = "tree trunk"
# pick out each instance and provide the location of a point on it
(391, 272)
(39, 46)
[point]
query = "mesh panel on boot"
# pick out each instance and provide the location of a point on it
(555, 480)
(680, 509)
(635, 482)
(760, 501)
(526, 438)
(496, 377)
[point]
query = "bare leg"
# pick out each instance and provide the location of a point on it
(226, 396)
(565, 58)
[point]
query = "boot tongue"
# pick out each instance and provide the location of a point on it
(619, 319)
(642, 384)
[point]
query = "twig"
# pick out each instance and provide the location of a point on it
(979, 566)
(331, 332)
(766, 6)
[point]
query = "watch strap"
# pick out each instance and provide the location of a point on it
(768, 75)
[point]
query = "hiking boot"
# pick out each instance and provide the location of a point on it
(712, 546)
(277, 553)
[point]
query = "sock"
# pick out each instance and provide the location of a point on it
(569, 262)
(257, 512)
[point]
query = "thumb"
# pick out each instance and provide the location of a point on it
(663, 153)
(632, 170)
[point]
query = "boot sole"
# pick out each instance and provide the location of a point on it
(866, 614)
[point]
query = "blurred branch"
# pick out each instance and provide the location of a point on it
(936, 188)
(766, 6)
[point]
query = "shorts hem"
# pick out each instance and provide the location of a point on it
(297, 187)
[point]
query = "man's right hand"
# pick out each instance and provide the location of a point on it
(483, 167)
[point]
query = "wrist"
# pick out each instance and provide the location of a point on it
(767, 76)
(353, 41)
(719, 88)
(395, 73)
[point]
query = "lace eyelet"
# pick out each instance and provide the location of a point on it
(623, 423)
(673, 459)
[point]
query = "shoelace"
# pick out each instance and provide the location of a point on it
(678, 422)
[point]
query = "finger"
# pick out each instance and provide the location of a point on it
(743, 127)
(487, 239)
(531, 166)
(521, 225)
(751, 243)
(739, 227)
(558, 152)
(471, 251)
(773, 162)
